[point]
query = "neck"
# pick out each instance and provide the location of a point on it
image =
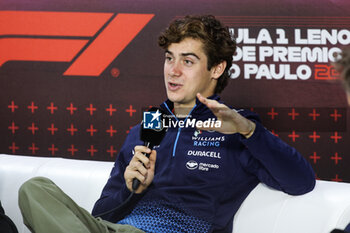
(182, 110)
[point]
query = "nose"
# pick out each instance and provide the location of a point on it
(175, 69)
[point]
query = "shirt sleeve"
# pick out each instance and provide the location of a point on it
(115, 191)
(275, 163)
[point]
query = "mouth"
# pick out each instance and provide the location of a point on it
(174, 86)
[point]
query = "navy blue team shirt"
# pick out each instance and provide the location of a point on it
(202, 177)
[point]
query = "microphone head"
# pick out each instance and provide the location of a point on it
(152, 130)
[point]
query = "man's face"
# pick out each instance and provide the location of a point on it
(186, 73)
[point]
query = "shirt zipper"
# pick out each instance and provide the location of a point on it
(179, 129)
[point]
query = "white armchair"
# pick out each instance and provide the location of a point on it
(264, 211)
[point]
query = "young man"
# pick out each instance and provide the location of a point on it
(174, 197)
(196, 180)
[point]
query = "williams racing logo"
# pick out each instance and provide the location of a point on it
(203, 141)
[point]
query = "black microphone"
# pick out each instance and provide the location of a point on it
(152, 132)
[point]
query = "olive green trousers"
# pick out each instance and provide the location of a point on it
(47, 209)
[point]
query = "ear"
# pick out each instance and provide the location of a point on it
(218, 70)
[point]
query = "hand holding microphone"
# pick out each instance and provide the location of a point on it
(142, 165)
(141, 168)
(139, 173)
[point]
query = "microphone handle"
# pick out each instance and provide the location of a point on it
(136, 182)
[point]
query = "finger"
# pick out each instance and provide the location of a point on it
(142, 149)
(206, 129)
(202, 99)
(140, 158)
(138, 166)
(130, 174)
(152, 159)
(141, 155)
(213, 105)
(135, 175)
(207, 102)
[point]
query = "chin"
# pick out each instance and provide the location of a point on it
(173, 97)
(174, 100)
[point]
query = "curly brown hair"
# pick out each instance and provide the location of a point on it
(218, 43)
(342, 65)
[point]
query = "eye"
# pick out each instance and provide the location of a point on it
(168, 58)
(188, 62)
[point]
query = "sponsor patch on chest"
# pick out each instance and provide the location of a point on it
(206, 167)
(204, 141)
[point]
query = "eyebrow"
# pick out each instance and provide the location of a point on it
(184, 54)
